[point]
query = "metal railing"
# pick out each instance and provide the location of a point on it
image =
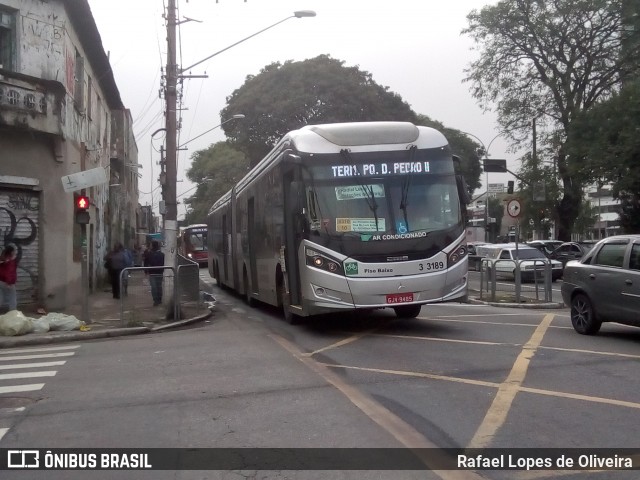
(151, 299)
(541, 276)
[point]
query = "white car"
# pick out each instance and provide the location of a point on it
(503, 257)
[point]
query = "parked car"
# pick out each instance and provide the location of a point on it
(545, 246)
(570, 251)
(475, 260)
(604, 286)
(533, 261)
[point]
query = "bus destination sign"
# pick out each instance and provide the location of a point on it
(383, 168)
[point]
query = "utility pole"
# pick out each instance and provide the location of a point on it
(170, 227)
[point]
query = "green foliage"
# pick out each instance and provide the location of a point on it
(538, 215)
(215, 170)
(462, 146)
(285, 97)
(551, 61)
(607, 140)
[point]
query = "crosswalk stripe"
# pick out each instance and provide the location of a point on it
(30, 357)
(41, 349)
(33, 365)
(3, 431)
(12, 376)
(22, 388)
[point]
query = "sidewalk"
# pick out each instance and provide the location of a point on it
(104, 315)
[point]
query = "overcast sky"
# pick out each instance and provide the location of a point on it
(414, 47)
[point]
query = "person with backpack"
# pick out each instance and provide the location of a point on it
(128, 262)
(115, 262)
(155, 258)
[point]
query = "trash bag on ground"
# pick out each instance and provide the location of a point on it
(40, 325)
(62, 322)
(15, 323)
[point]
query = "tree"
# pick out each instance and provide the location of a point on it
(539, 191)
(215, 170)
(550, 60)
(285, 97)
(606, 138)
(461, 146)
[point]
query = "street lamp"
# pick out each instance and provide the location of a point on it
(235, 117)
(170, 227)
(298, 14)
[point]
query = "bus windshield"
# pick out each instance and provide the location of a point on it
(197, 241)
(395, 205)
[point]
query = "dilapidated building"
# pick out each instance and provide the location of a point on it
(60, 114)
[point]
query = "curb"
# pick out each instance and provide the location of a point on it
(24, 340)
(538, 306)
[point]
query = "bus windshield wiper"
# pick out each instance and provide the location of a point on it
(367, 189)
(405, 188)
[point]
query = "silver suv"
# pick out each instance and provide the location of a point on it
(604, 286)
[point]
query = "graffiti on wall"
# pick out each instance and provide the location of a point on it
(19, 227)
(44, 37)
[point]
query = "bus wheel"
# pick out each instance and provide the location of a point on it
(247, 290)
(290, 318)
(407, 311)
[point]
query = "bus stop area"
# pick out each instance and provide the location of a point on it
(133, 313)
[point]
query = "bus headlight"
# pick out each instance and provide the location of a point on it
(456, 255)
(321, 261)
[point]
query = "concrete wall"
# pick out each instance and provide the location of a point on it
(72, 133)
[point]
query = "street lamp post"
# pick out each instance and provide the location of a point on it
(170, 227)
(235, 117)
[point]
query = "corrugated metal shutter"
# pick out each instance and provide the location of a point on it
(20, 226)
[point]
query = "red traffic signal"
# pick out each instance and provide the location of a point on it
(82, 202)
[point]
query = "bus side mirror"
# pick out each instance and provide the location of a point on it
(463, 190)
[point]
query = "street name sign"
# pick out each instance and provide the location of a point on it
(84, 179)
(495, 188)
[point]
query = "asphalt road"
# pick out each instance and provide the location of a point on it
(458, 376)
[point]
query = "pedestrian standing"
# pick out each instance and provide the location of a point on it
(155, 258)
(8, 277)
(115, 262)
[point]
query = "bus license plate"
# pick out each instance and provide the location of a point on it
(400, 298)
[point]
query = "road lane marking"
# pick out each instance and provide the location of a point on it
(437, 339)
(499, 409)
(508, 324)
(577, 396)
(3, 431)
(593, 352)
(12, 376)
(406, 434)
(33, 365)
(479, 315)
(339, 344)
(31, 357)
(22, 388)
(432, 376)
(43, 349)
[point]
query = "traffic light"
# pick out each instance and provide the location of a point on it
(82, 204)
(510, 185)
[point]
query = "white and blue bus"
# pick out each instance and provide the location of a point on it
(345, 216)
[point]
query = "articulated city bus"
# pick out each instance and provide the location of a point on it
(192, 243)
(345, 216)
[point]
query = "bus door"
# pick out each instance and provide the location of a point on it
(251, 237)
(292, 234)
(225, 248)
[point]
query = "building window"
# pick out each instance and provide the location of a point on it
(7, 39)
(78, 87)
(89, 97)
